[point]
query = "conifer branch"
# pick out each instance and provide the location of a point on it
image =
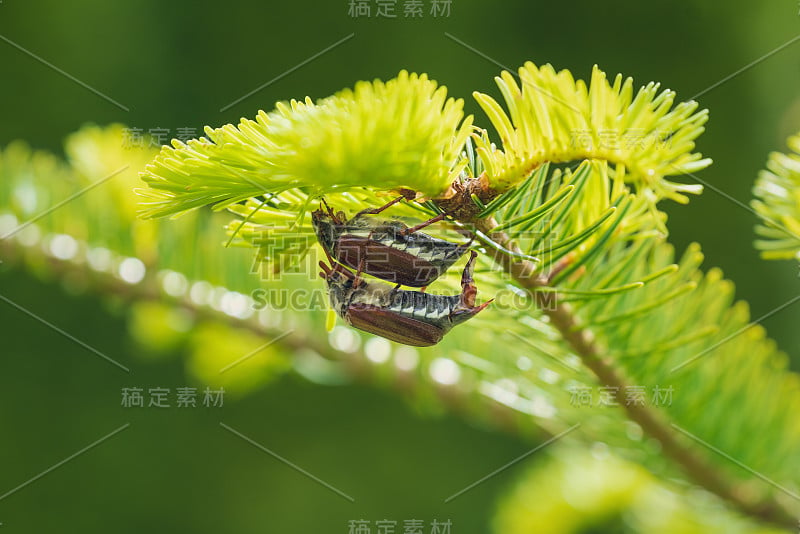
(356, 365)
(582, 341)
(567, 208)
(777, 204)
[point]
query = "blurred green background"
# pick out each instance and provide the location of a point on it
(176, 65)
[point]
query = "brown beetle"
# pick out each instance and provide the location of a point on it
(386, 248)
(410, 317)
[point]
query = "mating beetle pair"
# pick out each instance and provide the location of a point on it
(390, 250)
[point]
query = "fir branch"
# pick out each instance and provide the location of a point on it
(553, 118)
(353, 139)
(625, 496)
(611, 262)
(777, 203)
(594, 357)
(355, 365)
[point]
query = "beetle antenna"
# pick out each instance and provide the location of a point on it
(327, 208)
(337, 218)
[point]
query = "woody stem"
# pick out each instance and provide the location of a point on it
(583, 343)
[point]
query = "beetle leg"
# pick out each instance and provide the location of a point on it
(468, 289)
(482, 306)
(358, 280)
(422, 225)
(375, 211)
(326, 271)
(462, 247)
(560, 266)
(330, 259)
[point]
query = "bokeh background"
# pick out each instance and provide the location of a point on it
(176, 65)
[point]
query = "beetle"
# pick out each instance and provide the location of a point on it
(410, 317)
(385, 248)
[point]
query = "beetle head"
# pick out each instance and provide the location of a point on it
(327, 225)
(340, 284)
(324, 228)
